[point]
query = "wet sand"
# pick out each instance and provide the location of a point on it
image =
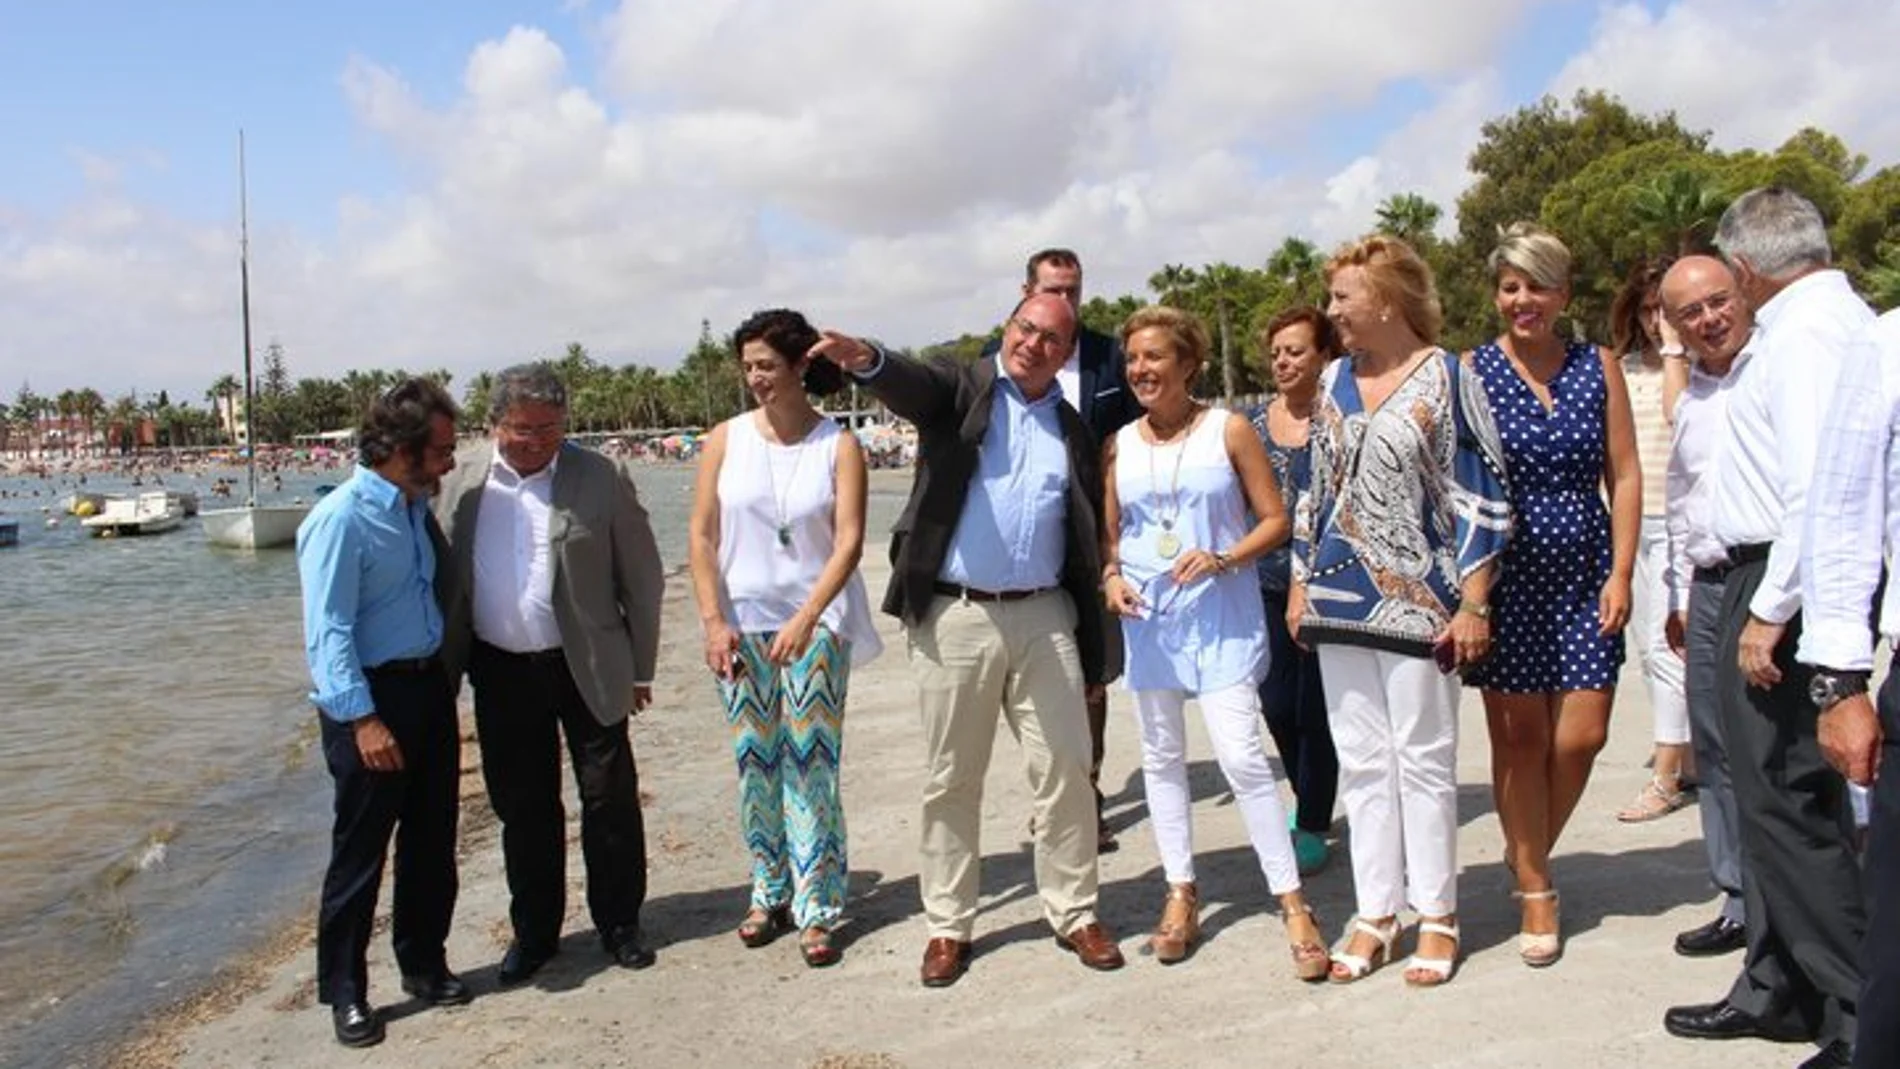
(711, 1002)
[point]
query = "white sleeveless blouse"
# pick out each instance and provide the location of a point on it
(777, 527)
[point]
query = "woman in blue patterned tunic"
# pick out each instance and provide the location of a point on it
(1563, 412)
(1394, 547)
(1298, 344)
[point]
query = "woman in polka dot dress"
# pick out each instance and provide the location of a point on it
(1563, 412)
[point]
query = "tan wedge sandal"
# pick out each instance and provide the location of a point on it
(1180, 924)
(1311, 961)
(1541, 950)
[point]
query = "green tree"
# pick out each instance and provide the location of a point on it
(1107, 317)
(1828, 151)
(1678, 210)
(1410, 217)
(474, 398)
(1173, 283)
(708, 386)
(1297, 266)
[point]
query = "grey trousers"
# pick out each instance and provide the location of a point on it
(1802, 879)
(1721, 834)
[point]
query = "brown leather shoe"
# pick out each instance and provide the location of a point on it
(945, 961)
(1094, 946)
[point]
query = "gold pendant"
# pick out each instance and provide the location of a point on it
(1167, 543)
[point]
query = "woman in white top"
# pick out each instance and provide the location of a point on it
(1178, 554)
(777, 530)
(1656, 370)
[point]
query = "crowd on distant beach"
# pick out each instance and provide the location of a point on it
(1331, 568)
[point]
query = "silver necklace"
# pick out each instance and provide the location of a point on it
(780, 502)
(1167, 543)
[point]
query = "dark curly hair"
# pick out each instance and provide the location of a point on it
(1325, 335)
(400, 421)
(786, 333)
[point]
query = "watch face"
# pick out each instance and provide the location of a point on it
(1821, 690)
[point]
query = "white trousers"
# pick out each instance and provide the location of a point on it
(1649, 616)
(1232, 716)
(1395, 725)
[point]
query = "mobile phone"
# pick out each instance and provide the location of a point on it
(736, 665)
(1445, 652)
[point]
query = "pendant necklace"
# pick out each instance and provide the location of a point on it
(780, 501)
(1167, 543)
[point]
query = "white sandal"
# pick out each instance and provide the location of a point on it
(1440, 969)
(1540, 950)
(1356, 966)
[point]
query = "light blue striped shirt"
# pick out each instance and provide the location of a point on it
(1014, 527)
(368, 572)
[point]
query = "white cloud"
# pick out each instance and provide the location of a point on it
(886, 167)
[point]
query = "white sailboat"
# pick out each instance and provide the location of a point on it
(250, 526)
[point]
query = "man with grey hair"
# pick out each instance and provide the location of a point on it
(558, 630)
(1801, 879)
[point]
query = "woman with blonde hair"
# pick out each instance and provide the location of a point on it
(1189, 505)
(1563, 415)
(1394, 549)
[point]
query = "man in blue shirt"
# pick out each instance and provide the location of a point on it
(366, 556)
(997, 570)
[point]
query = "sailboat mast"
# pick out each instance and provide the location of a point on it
(244, 298)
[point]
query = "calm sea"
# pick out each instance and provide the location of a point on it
(161, 801)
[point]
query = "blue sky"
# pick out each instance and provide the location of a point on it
(464, 184)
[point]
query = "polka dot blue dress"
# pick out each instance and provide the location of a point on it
(1544, 609)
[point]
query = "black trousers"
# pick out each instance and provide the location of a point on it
(1801, 880)
(524, 704)
(418, 806)
(1879, 1042)
(1293, 701)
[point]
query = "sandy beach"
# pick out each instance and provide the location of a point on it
(711, 1002)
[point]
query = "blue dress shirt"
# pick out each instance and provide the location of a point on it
(1013, 530)
(368, 572)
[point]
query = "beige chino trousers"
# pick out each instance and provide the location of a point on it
(974, 660)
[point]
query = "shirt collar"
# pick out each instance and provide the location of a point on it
(373, 488)
(505, 472)
(1004, 382)
(1778, 304)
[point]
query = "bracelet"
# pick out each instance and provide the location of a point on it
(1476, 608)
(1225, 562)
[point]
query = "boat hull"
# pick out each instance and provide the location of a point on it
(260, 527)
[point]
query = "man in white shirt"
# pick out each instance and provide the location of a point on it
(559, 633)
(1853, 524)
(1700, 298)
(1801, 877)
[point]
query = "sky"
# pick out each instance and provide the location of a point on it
(469, 185)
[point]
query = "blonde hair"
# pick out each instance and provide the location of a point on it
(1183, 329)
(1534, 252)
(1400, 277)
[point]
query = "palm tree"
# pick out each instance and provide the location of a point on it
(1678, 210)
(66, 404)
(1296, 264)
(223, 393)
(1221, 283)
(1409, 217)
(89, 404)
(1172, 282)
(475, 399)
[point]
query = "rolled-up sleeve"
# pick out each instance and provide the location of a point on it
(329, 568)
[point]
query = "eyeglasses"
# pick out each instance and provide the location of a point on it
(1713, 305)
(1038, 335)
(1156, 609)
(542, 431)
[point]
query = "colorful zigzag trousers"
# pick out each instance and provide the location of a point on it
(788, 734)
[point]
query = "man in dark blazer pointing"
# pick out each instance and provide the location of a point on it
(997, 565)
(1094, 382)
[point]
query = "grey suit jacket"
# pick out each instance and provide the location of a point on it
(608, 579)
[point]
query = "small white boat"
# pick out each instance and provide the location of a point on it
(152, 512)
(186, 501)
(253, 527)
(9, 531)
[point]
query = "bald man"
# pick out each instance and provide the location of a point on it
(1700, 298)
(997, 568)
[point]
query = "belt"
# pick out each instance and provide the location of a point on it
(1753, 553)
(552, 653)
(405, 666)
(964, 593)
(1712, 573)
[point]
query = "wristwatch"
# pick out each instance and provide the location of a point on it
(1828, 689)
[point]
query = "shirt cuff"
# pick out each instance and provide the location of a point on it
(1776, 609)
(877, 364)
(647, 683)
(1846, 646)
(1678, 599)
(352, 703)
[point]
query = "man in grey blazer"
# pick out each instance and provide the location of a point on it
(556, 620)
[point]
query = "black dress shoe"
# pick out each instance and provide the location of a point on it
(439, 989)
(356, 1025)
(521, 962)
(1719, 1020)
(1838, 1053)
(1719, 936)
(628, 952)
